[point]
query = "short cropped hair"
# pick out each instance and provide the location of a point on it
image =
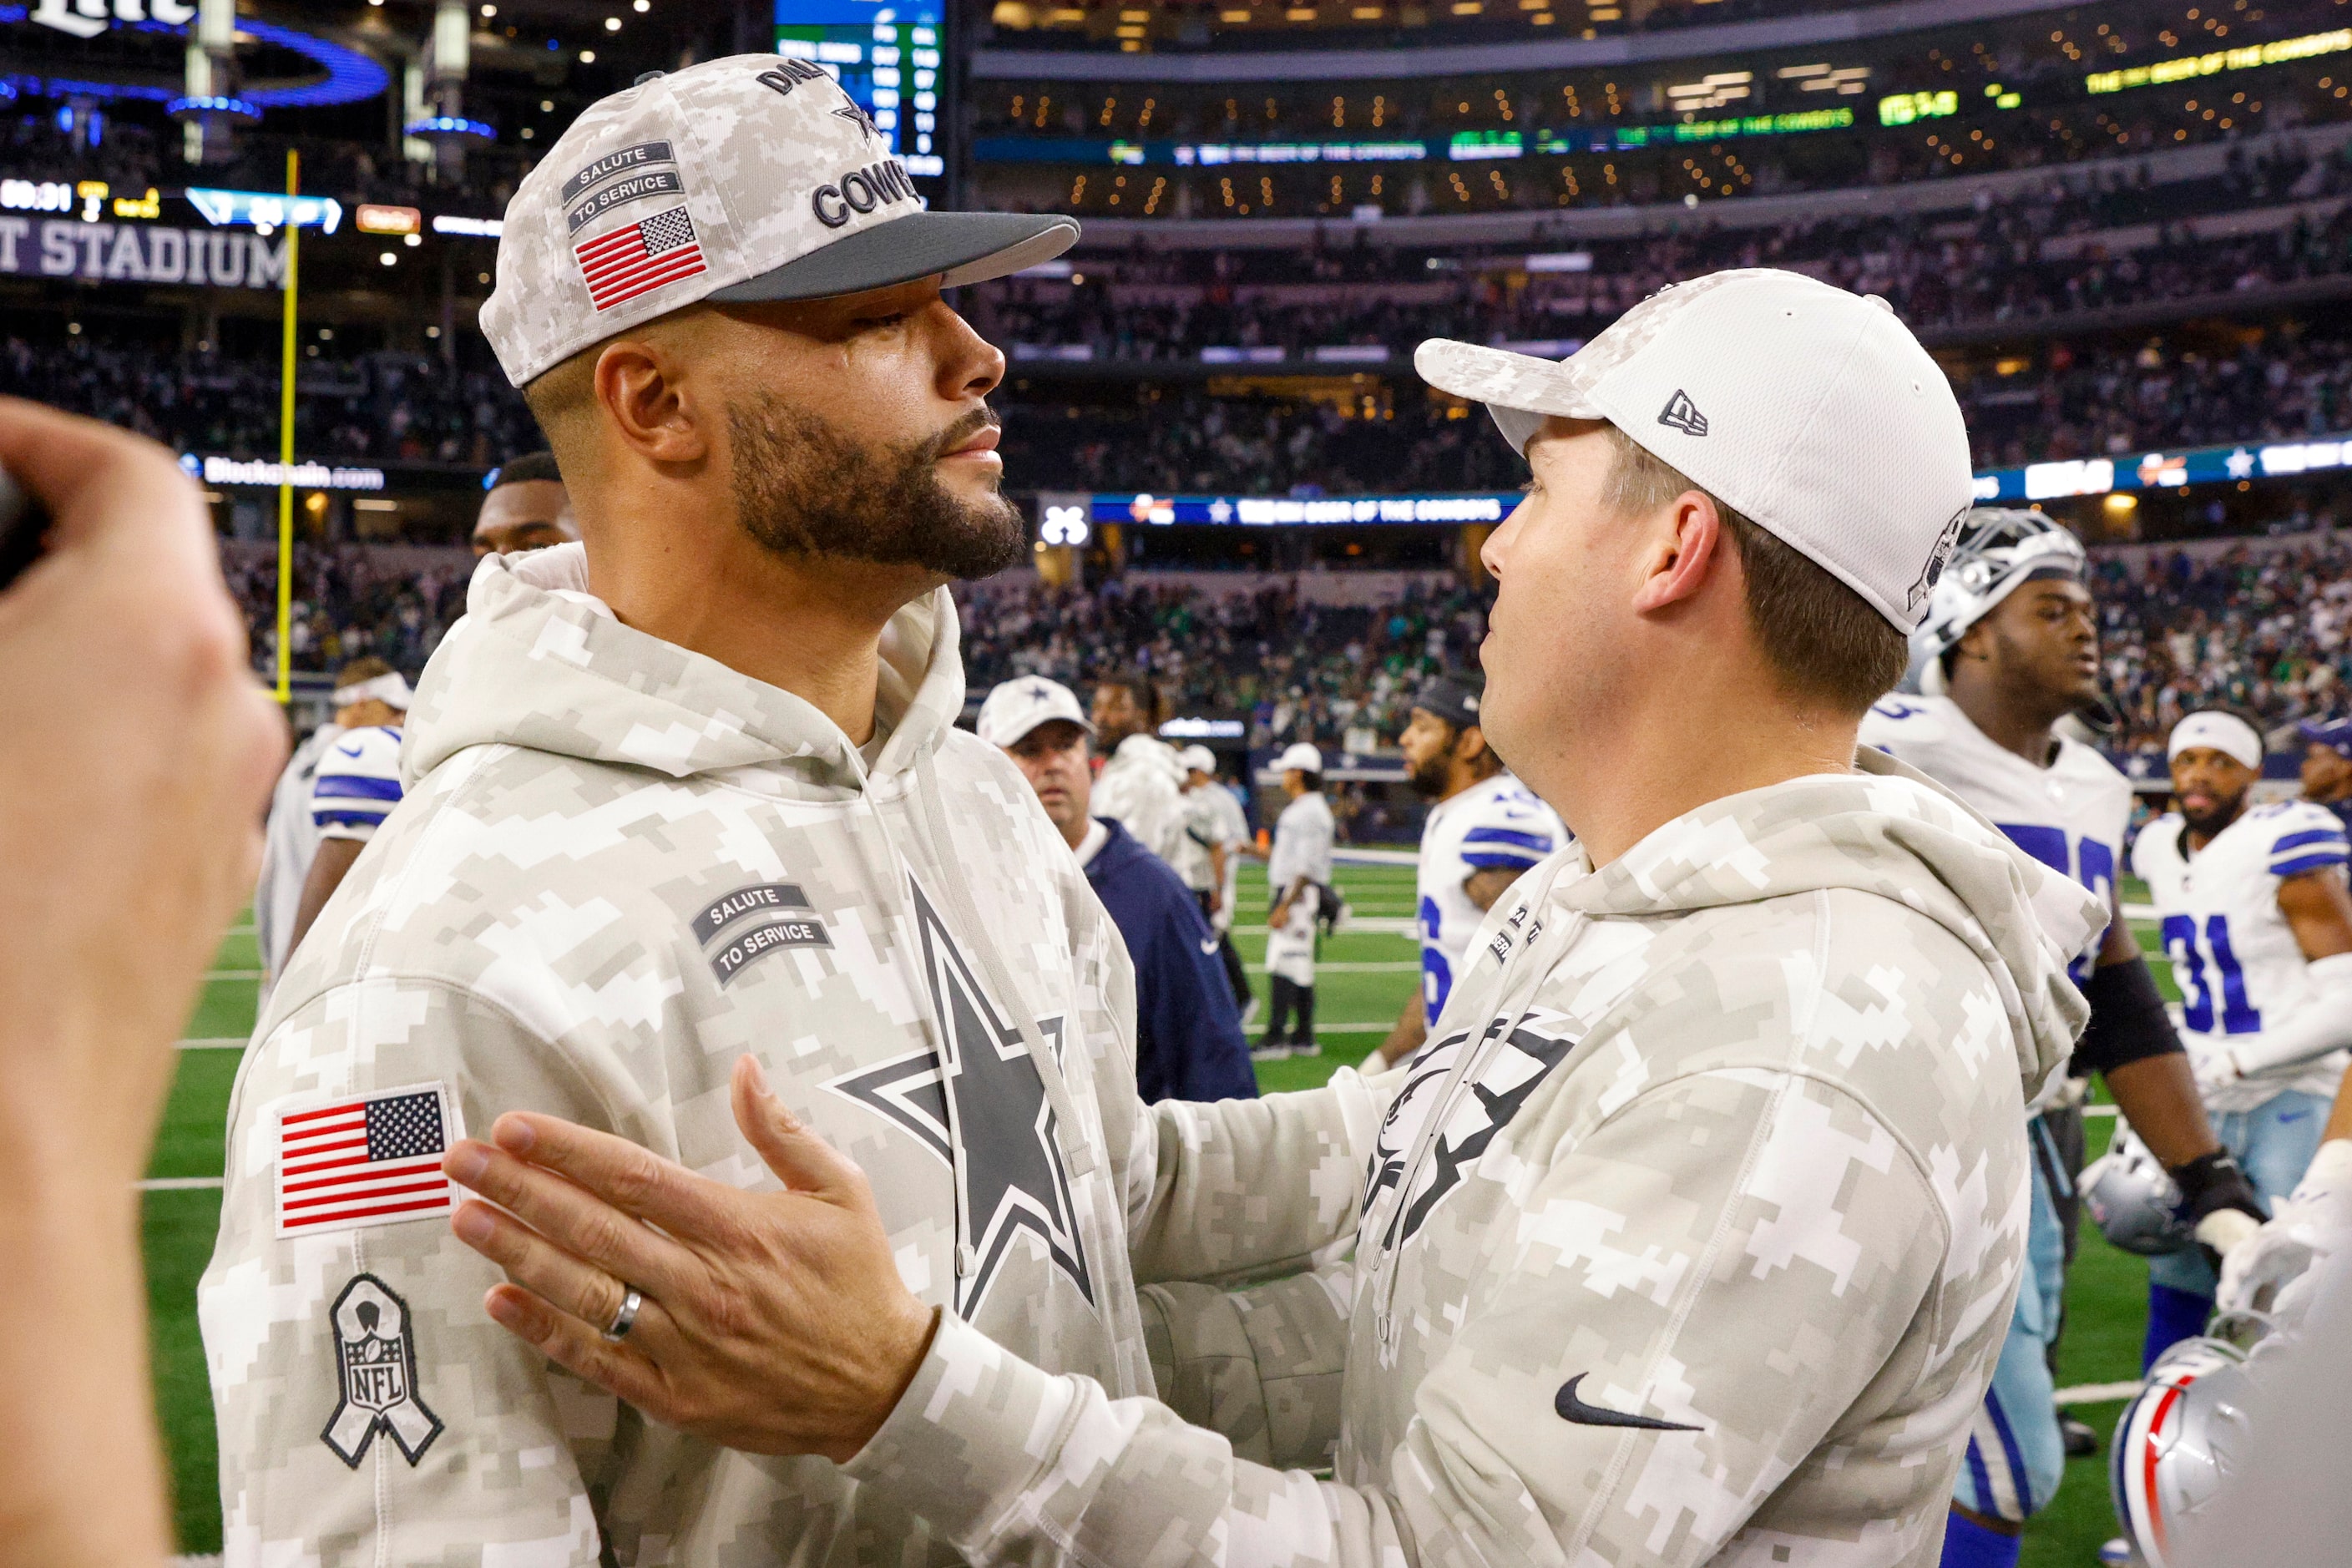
(1823, 641)
(530, 467)
(360, 669)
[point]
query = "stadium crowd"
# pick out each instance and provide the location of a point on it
(2260, 626)
(384, 406)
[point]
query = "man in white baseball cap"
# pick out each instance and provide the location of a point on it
(1217, 830)
(1691, 1236)
(1297, 879)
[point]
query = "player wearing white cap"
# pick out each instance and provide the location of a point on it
(1297, 877)
(2258, 923)
(1483, 830)
(688, 796)
(1692, 1238)
(2007, 650)
(1215, 830)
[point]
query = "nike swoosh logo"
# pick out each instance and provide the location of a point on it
(1210, 946)
(353, 750)
(1578, 1414)
(2293, 1115)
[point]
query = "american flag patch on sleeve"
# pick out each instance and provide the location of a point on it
(372, 1159)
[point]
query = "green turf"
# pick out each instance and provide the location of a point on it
(2106, 1291)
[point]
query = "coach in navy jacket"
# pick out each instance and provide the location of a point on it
(1188, 1035)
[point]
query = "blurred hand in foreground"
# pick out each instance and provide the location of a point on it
(136, 753)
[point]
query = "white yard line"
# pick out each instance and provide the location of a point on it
(181, 1184)
(2139, 911)
(2097, 1392)
(233, 974)
(1367, 967)
(213, 1042)
(1370, 926)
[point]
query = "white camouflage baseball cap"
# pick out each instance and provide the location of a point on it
(746, 178)
(1812, 411)
(1019, 706)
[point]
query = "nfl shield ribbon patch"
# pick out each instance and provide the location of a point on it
(641, 257)
(371, 1159)
(376, 1365)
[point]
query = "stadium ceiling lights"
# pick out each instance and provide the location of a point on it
(351, 76)
(447, 126)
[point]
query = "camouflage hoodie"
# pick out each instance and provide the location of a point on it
(618, 866)
(1691, 1238)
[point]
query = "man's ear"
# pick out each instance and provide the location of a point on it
(1468, 741)
(641, 386)
(1684, 548)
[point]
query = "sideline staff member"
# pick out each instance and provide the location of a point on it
(1188, 1039)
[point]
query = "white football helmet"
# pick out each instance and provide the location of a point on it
(1999, 549)
(2178, 1442)
(2132, 1200)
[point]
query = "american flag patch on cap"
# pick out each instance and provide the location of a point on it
(630, 261)
(372, 1159)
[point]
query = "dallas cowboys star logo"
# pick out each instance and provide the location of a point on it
(853, 112)
(988, 1095)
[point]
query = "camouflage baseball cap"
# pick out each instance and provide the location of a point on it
(751, 177)
(1812, 411)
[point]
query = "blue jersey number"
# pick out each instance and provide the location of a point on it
(1436, 978)
(2189, 968)
(2090, 862)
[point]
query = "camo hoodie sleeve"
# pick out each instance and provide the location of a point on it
(368, 1410)
(1598, 1398)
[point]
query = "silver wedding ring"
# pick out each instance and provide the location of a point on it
(626, 1318)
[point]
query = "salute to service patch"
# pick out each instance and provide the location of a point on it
(372, 1160)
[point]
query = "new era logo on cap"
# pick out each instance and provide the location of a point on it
(1681, 413)
(754, 177)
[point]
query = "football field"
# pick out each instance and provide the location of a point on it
(1366, 974)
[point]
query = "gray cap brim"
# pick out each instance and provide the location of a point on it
(1519, 390)
(966, 247)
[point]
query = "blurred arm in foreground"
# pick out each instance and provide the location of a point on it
(135, 753)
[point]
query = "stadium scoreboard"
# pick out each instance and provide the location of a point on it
(892, 59)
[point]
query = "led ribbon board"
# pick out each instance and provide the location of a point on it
(2280, 51)
(889, 58)
(347, 75)
(2169, 468)
(265, 209)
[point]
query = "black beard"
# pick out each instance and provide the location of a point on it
(802, 488)
(1429, 779)
(2205, 824)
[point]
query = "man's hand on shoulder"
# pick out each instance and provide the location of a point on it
(769, 1322)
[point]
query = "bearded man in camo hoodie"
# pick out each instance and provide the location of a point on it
(687, 791)
(1690, 1234)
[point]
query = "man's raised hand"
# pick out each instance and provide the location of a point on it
(771, 1322)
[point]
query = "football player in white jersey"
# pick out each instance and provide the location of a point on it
(1483, 830)
(357, 782)
(2258, 923)
(2011, 649)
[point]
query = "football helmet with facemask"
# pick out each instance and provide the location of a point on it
(2178, 1442)
(2000, 549)
(2132, 1200)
